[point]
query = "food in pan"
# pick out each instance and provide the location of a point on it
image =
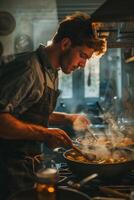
(116, 156)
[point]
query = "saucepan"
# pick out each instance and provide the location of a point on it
(62, 193)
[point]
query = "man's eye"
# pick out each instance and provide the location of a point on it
(83, 55)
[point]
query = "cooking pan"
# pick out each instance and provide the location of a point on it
(7, 23)
(107, 171)
(63, 193)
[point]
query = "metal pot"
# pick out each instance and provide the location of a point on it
(7, 23)
(104, 171)
(63, 193)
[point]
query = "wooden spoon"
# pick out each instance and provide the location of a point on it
(89, 157)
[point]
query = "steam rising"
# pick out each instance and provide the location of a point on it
(106, 145)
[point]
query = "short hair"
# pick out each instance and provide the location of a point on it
(78, 27)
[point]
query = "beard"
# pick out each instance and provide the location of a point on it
(65, 60)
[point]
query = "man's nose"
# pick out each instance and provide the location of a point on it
(81, 66)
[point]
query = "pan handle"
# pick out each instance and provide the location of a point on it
(83, 182)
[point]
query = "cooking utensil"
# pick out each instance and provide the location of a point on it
(114, 192)
(80, 184)
(7, 23)
(107, 171)
(88, 157)
(106, 198)
(91, 133)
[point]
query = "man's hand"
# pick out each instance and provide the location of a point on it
(12, 128)
(78, 121)
(57, 137)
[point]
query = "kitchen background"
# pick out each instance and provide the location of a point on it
(107, 80)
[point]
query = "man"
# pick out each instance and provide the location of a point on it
(28, 94)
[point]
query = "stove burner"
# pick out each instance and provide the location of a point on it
(118, 189)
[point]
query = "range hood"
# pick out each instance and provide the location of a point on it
(114, 11)
(114, 19)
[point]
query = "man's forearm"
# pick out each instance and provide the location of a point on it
(12, 128)
(59, 118)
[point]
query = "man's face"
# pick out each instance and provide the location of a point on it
(74, 58)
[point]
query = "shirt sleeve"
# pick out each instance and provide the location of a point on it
(14, 88)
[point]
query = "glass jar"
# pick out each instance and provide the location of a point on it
(46, 184)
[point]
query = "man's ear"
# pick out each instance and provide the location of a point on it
(65, 43)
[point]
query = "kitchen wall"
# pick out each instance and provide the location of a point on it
(111, 78)
(117, 84)
(128, 88)
(36, 22)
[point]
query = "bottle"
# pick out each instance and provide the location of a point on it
(45, 185)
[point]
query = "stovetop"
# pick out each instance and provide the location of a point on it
(96, 188)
